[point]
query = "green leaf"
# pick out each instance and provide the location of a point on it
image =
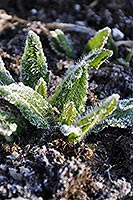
(72, 89)
(74, 86)
(73, 137)
(41, 88)
(11, 120)
(34, 64)
(60, 44)
(99, 40)
(99, 113)
(5, 76)
(69, 113)
(7, 123)
(72, 132)
(112, 46)
(30, 103)
(96, 58)
(122, 117)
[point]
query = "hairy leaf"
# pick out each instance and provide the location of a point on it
(31, 104)
(122, 117)
(72, 88)
(99, 113)
(88, 122)
(99, 40)
(59, 43)
(34, 64)
(7, 123)
(41, 88)
(96, 58)
(11, 120)
(5, 76)
(69, 113)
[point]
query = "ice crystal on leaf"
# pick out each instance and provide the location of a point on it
(31, 104)
(7, 123)
(68, 115)
(72, 88)
(98, 114)
(99, 40)
(41, 87)
(122, 117)
(34, 65)
(5, 76)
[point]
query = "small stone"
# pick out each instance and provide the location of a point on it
(33, 11)
(117, 34)
(77, 7)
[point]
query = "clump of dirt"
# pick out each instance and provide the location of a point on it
(41, 164)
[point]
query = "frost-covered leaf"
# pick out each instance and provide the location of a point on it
(74, 86)
(71, 131)
(34, 64)
(31, 104)
(7, 123)
(69, 113)
(5, 76)
(72, 89)
(98, 113)
(96, 58)
(11, 120)
(122, 117)
(60, 44)
(95, 116)
(99, 40)
(41, 88)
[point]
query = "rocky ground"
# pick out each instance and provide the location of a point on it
(40, 164)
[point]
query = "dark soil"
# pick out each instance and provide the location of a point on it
(41, 164)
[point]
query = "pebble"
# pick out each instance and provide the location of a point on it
(117, 34)
(77, 7)
(33, 11)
